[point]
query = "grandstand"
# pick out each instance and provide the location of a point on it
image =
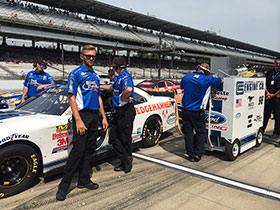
(115, 29)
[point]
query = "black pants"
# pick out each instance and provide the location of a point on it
(270, 105)
(121, 131)
(194, 120)
(83, 148)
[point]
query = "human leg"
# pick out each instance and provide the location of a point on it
(188, 132)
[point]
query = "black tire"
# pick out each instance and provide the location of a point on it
(259, 138)
(18, 169)
(152, 131)
(232, 150)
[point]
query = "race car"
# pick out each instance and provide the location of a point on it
(10, 100)
(35, 137)
(159, 85)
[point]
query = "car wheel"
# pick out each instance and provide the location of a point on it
(259, 138)
(232, 150)
(151, 132)
(18, 169)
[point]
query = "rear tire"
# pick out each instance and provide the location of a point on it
(152, 131)
(232, 150)
(18, 169)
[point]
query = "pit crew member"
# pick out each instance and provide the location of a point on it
(122, 124)
(197, 88)
(272, 102)
(36, 80)
(85, 100)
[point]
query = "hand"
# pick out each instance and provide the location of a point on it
(105, 124)
(129, 99)
(81, 128)
(40, 87)
(269, 96)
(22, 100)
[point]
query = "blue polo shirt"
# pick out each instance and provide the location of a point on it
(196, 90)
(34, 79)
(85, 85)
(124, 80)
(114, 80)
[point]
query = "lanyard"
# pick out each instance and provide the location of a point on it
(274, 75)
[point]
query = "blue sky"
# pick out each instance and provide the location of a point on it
(255, 22)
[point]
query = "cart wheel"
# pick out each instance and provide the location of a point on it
(259, 138)
(232, 150)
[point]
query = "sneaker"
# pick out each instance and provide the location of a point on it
(91, 186)
(61, 195)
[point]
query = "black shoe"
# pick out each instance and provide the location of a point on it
(128, 165)
(90, 186)
(197, 158)
(275, 136)
(118, 168)
(61, 195)
(191, 159)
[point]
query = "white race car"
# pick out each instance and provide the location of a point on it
(36, 136)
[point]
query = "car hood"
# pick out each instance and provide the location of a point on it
(16, 121)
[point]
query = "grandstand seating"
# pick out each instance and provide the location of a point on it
(15, 14)
(69, 22)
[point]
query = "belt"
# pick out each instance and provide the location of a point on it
(200, 110)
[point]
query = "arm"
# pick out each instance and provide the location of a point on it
(24, 92)
(51, 82)
(43, 86)
(125, 95)
(80, 126)
(106, 87)
(101, 110)
(275, 94)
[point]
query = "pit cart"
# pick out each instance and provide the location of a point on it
(236, 115)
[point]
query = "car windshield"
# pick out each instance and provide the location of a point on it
(54, 102)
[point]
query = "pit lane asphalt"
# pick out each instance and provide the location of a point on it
(152, 186)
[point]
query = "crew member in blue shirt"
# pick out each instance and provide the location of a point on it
(122, 124)
(197, 88)
(36, 80)
(84, 96)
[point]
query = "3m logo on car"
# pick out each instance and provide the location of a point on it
(62, 128)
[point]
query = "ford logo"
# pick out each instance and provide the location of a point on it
(215, 118)
(172, 118)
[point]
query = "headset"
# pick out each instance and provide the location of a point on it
(205, 70)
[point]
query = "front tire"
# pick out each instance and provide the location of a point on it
(18, 169)
(152, 131)
(232, 150)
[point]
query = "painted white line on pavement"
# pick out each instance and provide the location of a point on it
(223, 180)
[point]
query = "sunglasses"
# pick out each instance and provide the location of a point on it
(89, 56)
(40, 64)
